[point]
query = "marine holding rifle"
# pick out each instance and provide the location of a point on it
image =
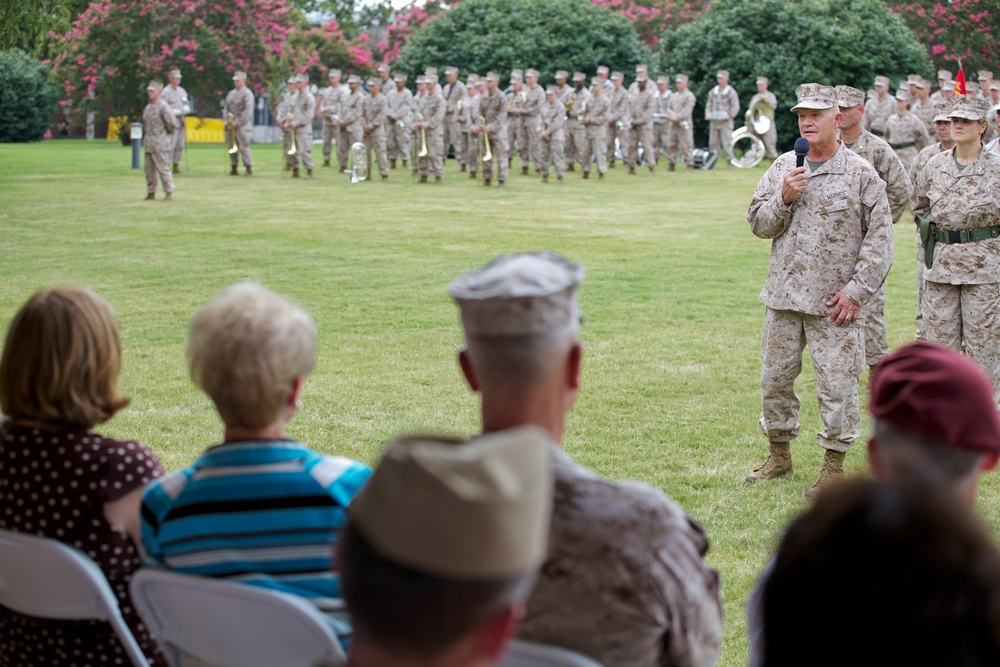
(957, 205)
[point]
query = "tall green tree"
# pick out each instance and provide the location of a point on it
(498, 35)
(28, 97)
(791, 42)
(25, 24)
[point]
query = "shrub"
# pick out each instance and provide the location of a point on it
(28, 97)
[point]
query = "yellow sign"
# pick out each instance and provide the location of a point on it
(196, 130)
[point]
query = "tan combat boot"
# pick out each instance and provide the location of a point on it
(831, 472)
(778, 463)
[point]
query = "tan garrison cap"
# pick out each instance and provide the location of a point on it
(333, 72)
(902, 95)
(663, 78)
(968, 107)
(985, 75)
(451, 69)
(354, 78)
(881, 81)
(562, 74)
(602, 69)
(519, 296)
(382, 68)
(176, 73)
(762, 80)
(617, 76)
(551, 89)
(579, 76)
(941, 111)
(154, 85)
(492, 76)
(722, 73)
(531, 72)
(470, 511)
(848, 97)
(681, 78)
(944, 74)
(431, 70)
(239, 76)
(815, 96)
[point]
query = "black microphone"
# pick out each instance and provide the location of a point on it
(801, 149)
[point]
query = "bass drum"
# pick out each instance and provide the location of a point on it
(748, 149)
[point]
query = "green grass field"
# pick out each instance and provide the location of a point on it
(670, 386)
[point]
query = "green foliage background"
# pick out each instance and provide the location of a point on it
(791, 42)
(482, 35)
(28, 97)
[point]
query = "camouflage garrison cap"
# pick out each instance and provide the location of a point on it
(944, 74)
(617, 76)
(991, 115)
(398, 76)
(154, 85)
(239, 76)
(471, 79)
(176, 73)
(451, 69)
(681, 78)
(882, 81)
(382, 68)
(968, 107)
(333, 72)
(815, 96)
(531, 72)
(492, 76)
(902, 95)
(762, 80)
(551, 89)
(579, 76)
(516, 78)
(721, 73)
(904, 85)
(476, 510)
(602, 69)
(985, 75)
(354, 78)
(519, 296)
(941, 111)
(663, 79)
(848, 97)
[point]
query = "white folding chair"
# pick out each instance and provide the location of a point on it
(48, 579)
(530, 654)
(227, 624)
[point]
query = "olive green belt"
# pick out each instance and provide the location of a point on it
(908, 145)
(966, 235)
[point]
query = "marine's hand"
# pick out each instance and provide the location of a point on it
(793, 184)
(845, 311)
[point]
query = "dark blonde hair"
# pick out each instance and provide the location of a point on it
(61, 360)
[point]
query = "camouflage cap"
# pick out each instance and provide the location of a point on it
(762, 81)
(451, 69)
(995, 85)
(848, 97)
(374, 81)
(431, 70)
(354, 78)
(551, 89)
(681, 78)
(904, 84)
(985, 75)
(641, 67)
(617, 76)
(239, 76)
(176, 73)
(944, 75)
(579, 76)
(431, 78)
(597, 81)
(516, 78)
(333, 72)
(154, 85)
(492, 76)
(518, 72)
(641, 77)
(602, 69)
(902, 95)
(968, 107)
(912, 78)
(420, 80)
(382, 68)
(941, 111)
(882, 81)
(663, 79)
(471, 83)
(921, 83)
(476, 510)
(815, 96)
(722, 74)
(562, 74)
(399, 76)
(971, 87)
(531, 72)
(520, 296)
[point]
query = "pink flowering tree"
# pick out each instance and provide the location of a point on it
(406, 22)
(651, 18)
(116, 47)
(966, 30)
(314, 50)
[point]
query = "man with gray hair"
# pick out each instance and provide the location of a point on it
(180, 106)
(442, 547)
(625, 580)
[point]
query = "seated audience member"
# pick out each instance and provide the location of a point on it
(442, 547)
(258, 508)
(625, 580)
(912, 578)
(935, 424)
(59, 479)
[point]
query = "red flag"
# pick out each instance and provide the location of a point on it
(960, 81)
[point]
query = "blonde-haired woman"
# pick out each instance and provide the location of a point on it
(59, 479)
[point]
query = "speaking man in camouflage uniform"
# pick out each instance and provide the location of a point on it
(831, 249)
(905, 132)
(680, 128)
(642, 104)
(661, 125)
(620, 120)
(879, 108)
(328, 101)
(553, 117)
(595, 120)
(625, 581)
(158, 127)
(432, 111)
(373, 126)
(239, 122)
(303, 112)
(722, 106)
(770, 138)
(576, 133)
(177, 99)
(493, 107)
(455, 98)
(399, 105)
(897, 182)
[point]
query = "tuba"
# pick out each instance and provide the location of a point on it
(232, 131)
(759, 117)
(288, 119)
(358, 162)
(748, 149)
(423, 137)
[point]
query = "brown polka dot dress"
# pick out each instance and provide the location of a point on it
(55, 484)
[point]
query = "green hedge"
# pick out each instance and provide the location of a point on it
(28, 97)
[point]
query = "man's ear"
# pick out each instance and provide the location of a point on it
(492, 637)
(573, 366)
(466, 365)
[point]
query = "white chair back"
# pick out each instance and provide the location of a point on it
(48, 579)
(228, 624)
(530, 654)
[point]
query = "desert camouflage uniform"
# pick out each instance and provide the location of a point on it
(596, 143)
(641, 107)
(330, 99)
(432, 107)
(619, 114)
(661, 126)
(240, 104)
(720, 132)
(925, 112)
(770, 138)
(877, 112)
(373, 118)
(158, 129)
(399, 106)
(836, 237)
(475, 144)
(553, 124)
(514, 103)
(993, 146)
(680, 140)
(576, 133)
(177, 100)
(907, 136)
(625, 580)
(281, 113)
(454, 96)
(352, 110)
(493, 107)
(303, 110)
(897, 189)
(961, 304)
(528, 120)
(922, 159)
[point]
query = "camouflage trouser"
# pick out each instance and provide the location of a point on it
(837, 354)
(876, 336)
(966, 317)
(907, 156)
(454, 137)
(375, 142)
(397, 141)
(680, 141)
(576, 137)
(622, 137)
(180, 136)
(498, 146)
(644, 135)
(286, 145)
(158, 165)
(594, 149)
(530, 137)
(331, 132)
(475, 149)
(720, 138)
(552, 154)
(303, 147)
(770, 139)
(920, 289)
(434, 161)
(243, 134)
(343, 148)
(661, 137)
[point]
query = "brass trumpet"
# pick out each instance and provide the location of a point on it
(232, 132)
(423, 137)
(288, 119)
(481, 121)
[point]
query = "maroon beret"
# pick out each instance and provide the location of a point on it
(938, 394)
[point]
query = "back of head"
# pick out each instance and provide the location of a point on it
(246, 347)
(916, 574)
(444, 536)
(61, 360)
